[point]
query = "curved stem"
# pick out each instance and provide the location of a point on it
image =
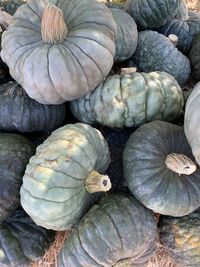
(173, 38)
(128, 70)
(123, 263)
(96, 182)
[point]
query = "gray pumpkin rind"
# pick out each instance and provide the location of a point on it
(53, 74)
(182, 13)
(21, 113)
(22, 241)
(181, 237)
(131, 100)
(15, 152)
(195, 57)
(150, 181)
(53, 191)
(155, 52)
(116, 228)
(152, 14)
(127, 35)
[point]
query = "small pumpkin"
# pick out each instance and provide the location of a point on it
(58, 51)
(181, 237)
(131, 99)
(118, 231)
(160, 169)
(155, 52)
(15, 152)
(11, 6)
(22, 241)
(60, 179)
(195, 57)
(21, 113)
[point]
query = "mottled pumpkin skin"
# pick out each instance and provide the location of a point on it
(22, 241)
(182, 13)
(15, 152)
(21, 113)
(152, 14)
(155, 52)
(131, 100)
(10, 6)
(116, 228)
(127, 35)
(181, 237)
(195, 57)
(53, 74)
(53, 191)
(149, 179)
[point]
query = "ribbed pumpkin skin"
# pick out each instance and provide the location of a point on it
(155, 52)
(53, 74)
(15, 152)
(21, 113)
(116, 228)
(181, 236)
(195, 57)
(147, 175)
(152, 14)
(127, 35)
(22, 241)
(182, 13)
(131, 100)
(10, 6)
(53, 191)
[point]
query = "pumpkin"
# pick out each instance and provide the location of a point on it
(131, 99)
(15, 152)
(153, 13)
(160, 169)
(127, 35)
(181, 237)
(155, 52)
(60, 179)
(182, 13)
(11, 6)
(184, 30)
(195, 57)
(22, 241)
(58, 51)
(21, 113)
(115, 232)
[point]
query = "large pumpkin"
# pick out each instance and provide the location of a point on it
(155, 52)
(15, 152)
(22, 241)
(131, 100)
(60, 178)
(181, 237)
(160, 169)
(118, 231)
(21, 113)
(58, 51)
(195, 57)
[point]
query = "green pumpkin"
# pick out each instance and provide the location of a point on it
(21, 113)
(22, 241)
(181, 237)
(160, 169)
(152, 14)
(155, 52)
(131, 100)
(115, 232)
(61, 177)
(58, 51)
(15, 152)
(195, 57)
(10, 6)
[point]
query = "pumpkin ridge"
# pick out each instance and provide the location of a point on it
(33, 11)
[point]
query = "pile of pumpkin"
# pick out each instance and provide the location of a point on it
(97, 136)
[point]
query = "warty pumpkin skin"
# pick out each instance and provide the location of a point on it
(64, 171)
(58, 62)
(155, 52)
(21, 113)
(22, 241)
(116, 230)
(181, 237)
(157, 173)
(131, 100)
(195, 57)
(15, 152)
(152, 14)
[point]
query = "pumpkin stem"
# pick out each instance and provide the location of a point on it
(5, 19)
(53, 27)
(173, 39)
(96, 182)
(128, 70)
(180, 164)
(123, 263)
